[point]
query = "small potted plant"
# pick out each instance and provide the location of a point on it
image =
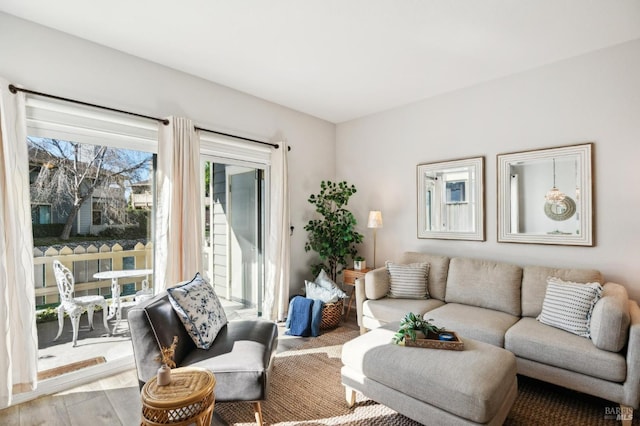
(414, 327)
(359, 263)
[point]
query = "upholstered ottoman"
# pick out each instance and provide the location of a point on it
(477, 385)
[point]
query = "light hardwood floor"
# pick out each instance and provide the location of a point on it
(110, 401)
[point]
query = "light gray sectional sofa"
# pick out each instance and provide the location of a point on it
(497, 303)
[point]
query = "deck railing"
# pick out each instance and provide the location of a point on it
(84, 262)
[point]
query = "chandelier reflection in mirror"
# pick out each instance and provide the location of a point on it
(554, 195)
(562, 218)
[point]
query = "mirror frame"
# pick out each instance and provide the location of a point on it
(479, 219)
(584, 206)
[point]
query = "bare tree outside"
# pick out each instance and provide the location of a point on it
(70, 174)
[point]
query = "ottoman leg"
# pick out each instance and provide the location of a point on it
(626, 414)
(350, 396)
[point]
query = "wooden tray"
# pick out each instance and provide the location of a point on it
(432, 341)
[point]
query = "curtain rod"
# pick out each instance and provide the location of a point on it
(275, 145)
(13, 89)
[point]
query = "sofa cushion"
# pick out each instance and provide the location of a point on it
(568, 305)
(240, 358)
(532, 340)
(199, 309)
(482, 324)
(408, 281)
(610, 318)
(388, 310)
(534, 284)
(438, 271)
(486, 284)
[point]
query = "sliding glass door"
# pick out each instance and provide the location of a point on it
(234, 229)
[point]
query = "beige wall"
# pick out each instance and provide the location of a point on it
(50, 61)
(595, 97)
(590, 98)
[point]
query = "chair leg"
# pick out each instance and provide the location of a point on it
(60, 321)
(90, 310)
(104, 316)
(75, 322)
(257, 408)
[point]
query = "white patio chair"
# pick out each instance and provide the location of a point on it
(143, 294)
(75, 306)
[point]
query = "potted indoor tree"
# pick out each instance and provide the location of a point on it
(333, 236)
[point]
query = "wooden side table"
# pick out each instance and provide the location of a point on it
(349, 277)
(188, 399)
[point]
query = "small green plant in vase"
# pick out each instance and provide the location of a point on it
(412, 326)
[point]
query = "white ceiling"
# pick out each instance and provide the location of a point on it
(343, 59)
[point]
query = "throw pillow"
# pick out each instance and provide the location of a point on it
(323, 281)
(199, 309)
(408, 281)
(314, 291)
(568, 305)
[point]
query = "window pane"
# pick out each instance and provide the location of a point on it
(86, 213)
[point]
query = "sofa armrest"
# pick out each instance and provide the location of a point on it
(632, 383)
(360, 298)
(374, 286)
(376, 283)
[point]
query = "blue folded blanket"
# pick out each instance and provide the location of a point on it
(304, 317)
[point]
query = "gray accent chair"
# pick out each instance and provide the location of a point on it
(240, 357)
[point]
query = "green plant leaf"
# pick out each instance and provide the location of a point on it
(333, 236)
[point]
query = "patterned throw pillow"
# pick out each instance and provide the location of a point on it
(199, 309)
(408, 281)
(568, 305)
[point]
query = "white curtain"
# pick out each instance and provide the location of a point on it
(276, 297)
(178, 254)
(19, 348)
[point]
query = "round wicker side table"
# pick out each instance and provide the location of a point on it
(188, 399)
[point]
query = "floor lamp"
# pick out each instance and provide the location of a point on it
(375, 222)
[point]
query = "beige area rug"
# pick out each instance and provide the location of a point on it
(306, 390)
(74, 366)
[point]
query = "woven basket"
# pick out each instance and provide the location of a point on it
(331, 315)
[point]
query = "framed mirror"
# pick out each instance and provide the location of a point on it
(545, 196)
(451, 199)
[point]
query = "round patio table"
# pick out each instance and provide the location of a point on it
(115, 308)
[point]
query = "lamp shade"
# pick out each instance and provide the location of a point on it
(375, 219)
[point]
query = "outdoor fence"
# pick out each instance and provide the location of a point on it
(84, 263)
